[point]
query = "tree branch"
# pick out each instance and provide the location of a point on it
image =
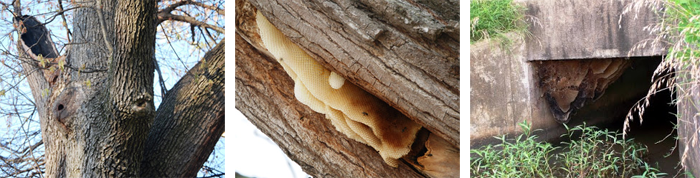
(34, 41)
(190, 120)
(172, 7)
(166, 16)
(17, 4)
(65, 22)
(216, 9)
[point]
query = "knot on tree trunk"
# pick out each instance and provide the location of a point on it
(143, 105)
(66, 105)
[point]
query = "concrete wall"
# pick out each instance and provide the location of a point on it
(688, 124)
(504, 92)
(582, 29)
(503, 83)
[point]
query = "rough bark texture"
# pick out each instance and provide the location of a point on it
(130, 90)
(404, 52)
(96, 115)
(264, 94)
(389, 64)
(195, 102)
(30, 45)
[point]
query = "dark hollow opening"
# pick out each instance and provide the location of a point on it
(657, 129)
(657, 132)
(610, 110)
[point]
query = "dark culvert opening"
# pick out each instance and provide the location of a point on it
(657, 130)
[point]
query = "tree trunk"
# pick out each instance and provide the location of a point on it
(97, 114)
(385, 57)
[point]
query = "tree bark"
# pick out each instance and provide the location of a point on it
(384, 56)
(404, 52)
(264, 94)
(96, 116)
(196, 102)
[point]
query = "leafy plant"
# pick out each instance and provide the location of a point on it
(679, 30)
(591, 152)
(520, 157)
(495, 17)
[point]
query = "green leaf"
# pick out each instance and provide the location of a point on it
(42, 61)
(204, 63)
(45, 92)
(61, 64)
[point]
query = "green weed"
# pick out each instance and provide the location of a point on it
(590, 152)
(679, 31)
(494, 18)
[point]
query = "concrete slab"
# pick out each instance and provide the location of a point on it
(582, 29)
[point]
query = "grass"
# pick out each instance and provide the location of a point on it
(591, 152)
(494, 18)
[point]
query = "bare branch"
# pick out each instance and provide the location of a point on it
(18, 7)
(60, 12)
(220, 11)
(163, 16)
(65, 23)
(209, 34)
(166, 14)
(171, 46)
(172, 7)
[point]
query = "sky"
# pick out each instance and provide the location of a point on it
(251, 153)
(257, 155)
